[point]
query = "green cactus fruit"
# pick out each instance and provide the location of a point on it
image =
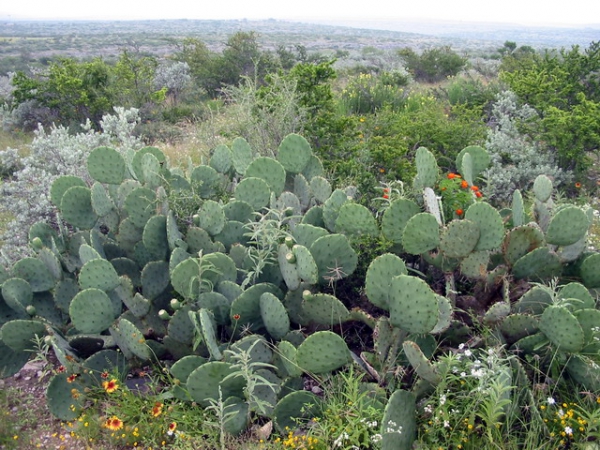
(518, 211)
(413, 305)
(334, 257)
(305, 234)
(590, 271)
(396, 217)
(542, 188)
(562, 328)
(245, 310)
(155, 239)
(254, 191)
(540, 264)
(36, 273)
(65, 399)
(480, 160)
(534, 301)
(518, 326)
(91, 311)
(241, 155)
(221, 159)
(323, 309)
(17, 294)
(295, 409)
(61, 185)
(568, 226)
(459, 239)
(491, 227)
(427, 169)
(399, 424)
(320, 188)
(314, 168)
(475, 265)
(445, 310)
(106, 165)
(208, 329)
(286, 352)
(46, 234)
(19, 334)
(584, 370)
(322, 352)
(496, 313)
(420, 363)
(140, 205)
(355, 219)
(99, 274)
(130, 340)
(580, 296)
(421, 234)
(379, 278)
(520, 241)
(76, 207)
(208, 382)
(331, 208)
(294, 153)
(270, 171)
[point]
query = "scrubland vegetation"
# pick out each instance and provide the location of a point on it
(373, 247)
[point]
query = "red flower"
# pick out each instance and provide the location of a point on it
(104, 375)
(452, 176)
(464, 184)
(459, 212)
(474, 188)
(578, 185)
(478, 194)
(71, 378)
(386, 196)
(61, 369)
(236, 317)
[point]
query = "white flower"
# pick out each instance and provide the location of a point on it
(376, 438)
(446, 424)
(551, 401)
(569, 430)
(442, 399)
(477, 373)
(461, 346)
(468, 352)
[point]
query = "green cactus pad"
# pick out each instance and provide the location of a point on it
(295, 409)
(314, 217)
(568, 226)
(155, 279)
(208, 329)
(540, 264)
(182, 369)
(91, 311)
(427, 169)
(475, 265)
(590, 271)
(17, 294)
(480, 159)
(180, 327)
(577, 291)
(239, 211)
(323, 309)
(331, 208)
(399, 424)
(589, 319)
(106, 165)
(518, 211)
(413, 305)
(254, 191)
(286, 352)
(322, 352)
(211, 217)
(421, 234)
(379, 278)
(584, 370)
(185, 278)
(396, 217)
(155, 239)
(241, 155)
(518, 326)
(294, 153)
(19, 334)
(542, 188)
(534, 301)
(36, 273)
(491, 227)
(334, 257)
(562, 328)
(233, 233)
(60, 399)
(306, 234)
(445, 310)
(459, 239)
(140, 205)
(61, 185)
(76, 207)
(102, 204)
(305, 264)
(221, 159)
(237, 415)
(269, 170)
(321, 188)
(355, 219)
(99, 274)
(287, 266)
(11, 361)
(64, 292)
(207, 180)
(217, 267)
(138, 157)
(520, 241)
(314, 168)
(216, 303)
(420, 363)
(496, 313)
(130, 339)
(205, 382)
(245, 310)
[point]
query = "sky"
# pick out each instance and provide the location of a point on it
(525, 12)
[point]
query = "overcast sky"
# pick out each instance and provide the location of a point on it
(529, 12)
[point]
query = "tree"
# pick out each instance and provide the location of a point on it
(434, 64)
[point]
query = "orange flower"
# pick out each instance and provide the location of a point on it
(474, 188)
(443, 189)
(451, 176)
(236, 317)
(110, 386)
(464, 184)
(157, 409)
(386, 196)
(382, 170)
(71, 378)
(478, 194)
(459, 212)
(578, 185)
(114, 423)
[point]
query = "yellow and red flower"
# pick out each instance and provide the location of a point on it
(114, 423)
(578, 185)
(236, 317)
(72, 378)
(157, 409)
(110, 386)
(172, 428)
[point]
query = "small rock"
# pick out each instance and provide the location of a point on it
(316, 390)
(17, 375)
(39, 374)
(27, 378)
